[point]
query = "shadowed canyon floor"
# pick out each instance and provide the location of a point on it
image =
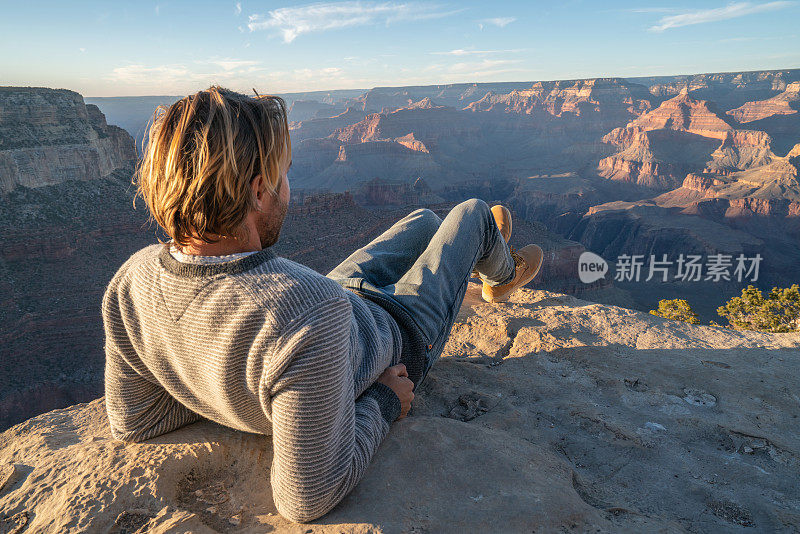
(546, 413)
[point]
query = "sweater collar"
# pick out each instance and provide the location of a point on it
(192, 270)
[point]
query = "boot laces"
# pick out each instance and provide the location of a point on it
(519, 261)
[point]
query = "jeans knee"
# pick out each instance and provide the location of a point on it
(474, 206)
(428, 218)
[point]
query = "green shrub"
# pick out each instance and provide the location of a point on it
(778, 312)
(677, 310)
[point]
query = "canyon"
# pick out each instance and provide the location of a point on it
(698, 164)
(51, 136)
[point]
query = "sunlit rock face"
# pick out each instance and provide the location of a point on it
(67, 222)
(681, 136)
(785, 103)
(545, 413)
(48, 136)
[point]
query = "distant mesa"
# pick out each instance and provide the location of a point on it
(48, 136)
(602, 95)
(785, 103)
(682, 135)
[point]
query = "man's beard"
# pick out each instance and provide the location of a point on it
(270, 223)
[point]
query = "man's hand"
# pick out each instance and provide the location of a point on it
(396, 377)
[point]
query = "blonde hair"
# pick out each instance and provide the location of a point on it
(202, 153)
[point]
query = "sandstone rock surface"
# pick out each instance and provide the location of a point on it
(48, 136)
(785, 103)
(546, 414)
(681, 136)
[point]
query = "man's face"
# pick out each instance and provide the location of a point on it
(271, 219)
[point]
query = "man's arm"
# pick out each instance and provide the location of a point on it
(138, 409)
(323, 438)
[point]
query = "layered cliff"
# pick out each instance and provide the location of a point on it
(778, 116)
(545, 414)
(48, 136)
(600, 96)
(682, 135)
(785, 103)
(67, 223)
(728, 89)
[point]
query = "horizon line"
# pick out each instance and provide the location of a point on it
(475, 83)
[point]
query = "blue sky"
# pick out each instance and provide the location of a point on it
(176, 47)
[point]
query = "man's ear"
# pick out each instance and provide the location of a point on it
(258, 190)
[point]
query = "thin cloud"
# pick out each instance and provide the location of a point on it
(702, 16)
(237, 10)
(327, 73)
(500, 22)
(652, 10)
(484, 68)
(462, 52)
(138, 74)
(228, 64)
(239, 75)
(291, 22)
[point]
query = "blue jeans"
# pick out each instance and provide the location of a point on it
(423, 264)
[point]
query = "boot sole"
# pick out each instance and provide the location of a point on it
(522, 282)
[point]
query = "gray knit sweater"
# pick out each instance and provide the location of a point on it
(259, 344)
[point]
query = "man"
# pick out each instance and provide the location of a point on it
(213, 324)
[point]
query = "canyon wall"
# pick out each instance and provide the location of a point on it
(664, 165)
(48, 136)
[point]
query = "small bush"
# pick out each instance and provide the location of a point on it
(778, 312)
(677, 310)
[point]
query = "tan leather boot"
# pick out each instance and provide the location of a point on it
(503, 219)
(527, 260)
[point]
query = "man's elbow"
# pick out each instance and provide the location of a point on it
(131, 433)
(300, 508)
(130, 436)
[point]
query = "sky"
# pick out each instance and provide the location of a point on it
(123, 48)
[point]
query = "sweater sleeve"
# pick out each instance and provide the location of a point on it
(138, 408)
(323, 438)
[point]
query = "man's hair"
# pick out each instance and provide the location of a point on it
(202, 153)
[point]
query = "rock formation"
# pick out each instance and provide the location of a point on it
(67, 222)
(777, 116)
(48, 136)
(683, 171)
(754, 211)
(728, 89)
(785, 103)
(660, 148)
(546, 413)
(597, 97)
(323, 127)
(508, 130)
